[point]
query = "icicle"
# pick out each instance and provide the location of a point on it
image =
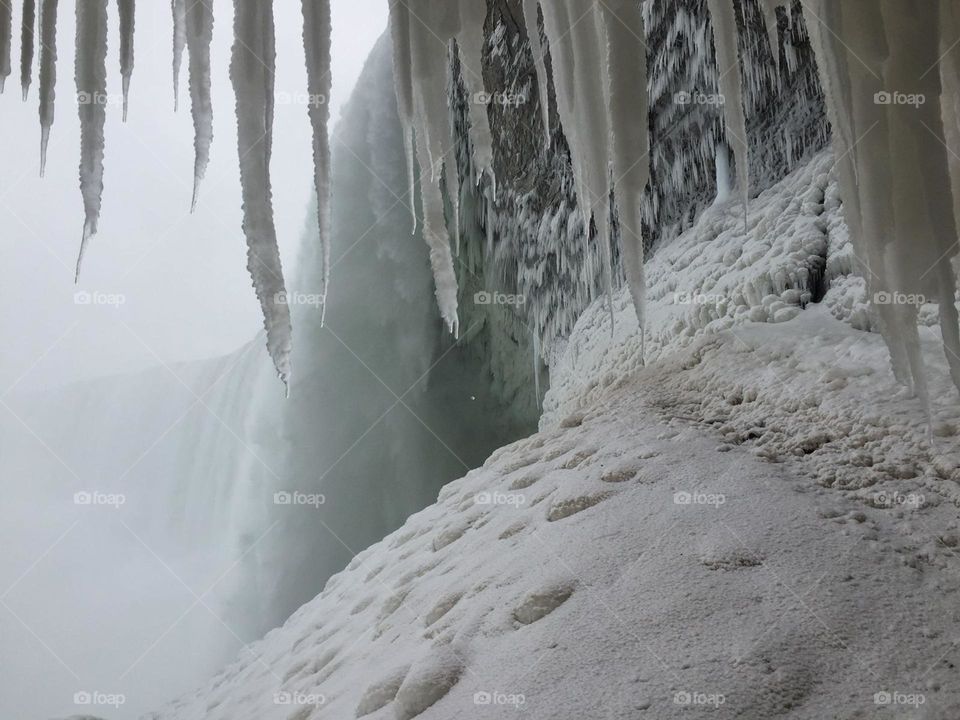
(724, 21)
(316, 42)
(179, 10)
(470, 40)
(769, 8)
(91, 79)
(48, 74)
(27, 31)
(126, 9)
(199, 30)
(437, 24)
(536, 364)
(403, 86)
(531, 19)
(251, 72)
(6, 32)
(627, 63)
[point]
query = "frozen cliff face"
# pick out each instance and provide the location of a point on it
(526, 237)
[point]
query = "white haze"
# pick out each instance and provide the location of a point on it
(90, 602)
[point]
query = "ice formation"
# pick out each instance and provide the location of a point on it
(403, 85)
(531, 11)
(27, 32)
(48, 74)
(316, 42)
(199, 33)
(769, 8)
(91, 80)
(126, 9)
(6, 30)
(252, 74)
(430, 29)
(725, 37)
(470, 41)
(179, 10)
(891, 115)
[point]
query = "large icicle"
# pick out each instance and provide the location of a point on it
(6, 33)
(431, 29)
(27, 32)
(403, 86)
(887, 106)
(91, 79)
(199, 28)
(769, 8)
(48, 74)
(316, 43)
(724, 21)
(531, 20)
(126, 9)
(251, 72)
(179, 10)
(470, 41)
(579, 56)
(627, 62)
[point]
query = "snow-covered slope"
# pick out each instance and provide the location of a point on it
(750, 525)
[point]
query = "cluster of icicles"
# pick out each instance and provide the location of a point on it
(901, 183)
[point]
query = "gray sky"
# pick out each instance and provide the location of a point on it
(186, 292)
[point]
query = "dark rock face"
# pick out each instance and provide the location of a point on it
(529, 239)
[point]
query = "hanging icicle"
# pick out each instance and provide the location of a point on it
(403, 86)
(470, 40)
(179, 11)
(769, 8)
(627, 64)
(531, 19)
(6, 33)
(316, 42)
(199, 29)
(126, 9)
(48, 74)
(27, 31)
(724, 22)
(251, 72)
(91, 79)
(430, 33)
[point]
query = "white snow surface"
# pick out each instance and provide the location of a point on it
(755, 524)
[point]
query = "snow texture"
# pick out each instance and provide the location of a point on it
(749, 459)
(126, 9)
(48, 74)
(199, 34)
(27, 34)
(91, 81)
(251, 71)
(316, 42)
